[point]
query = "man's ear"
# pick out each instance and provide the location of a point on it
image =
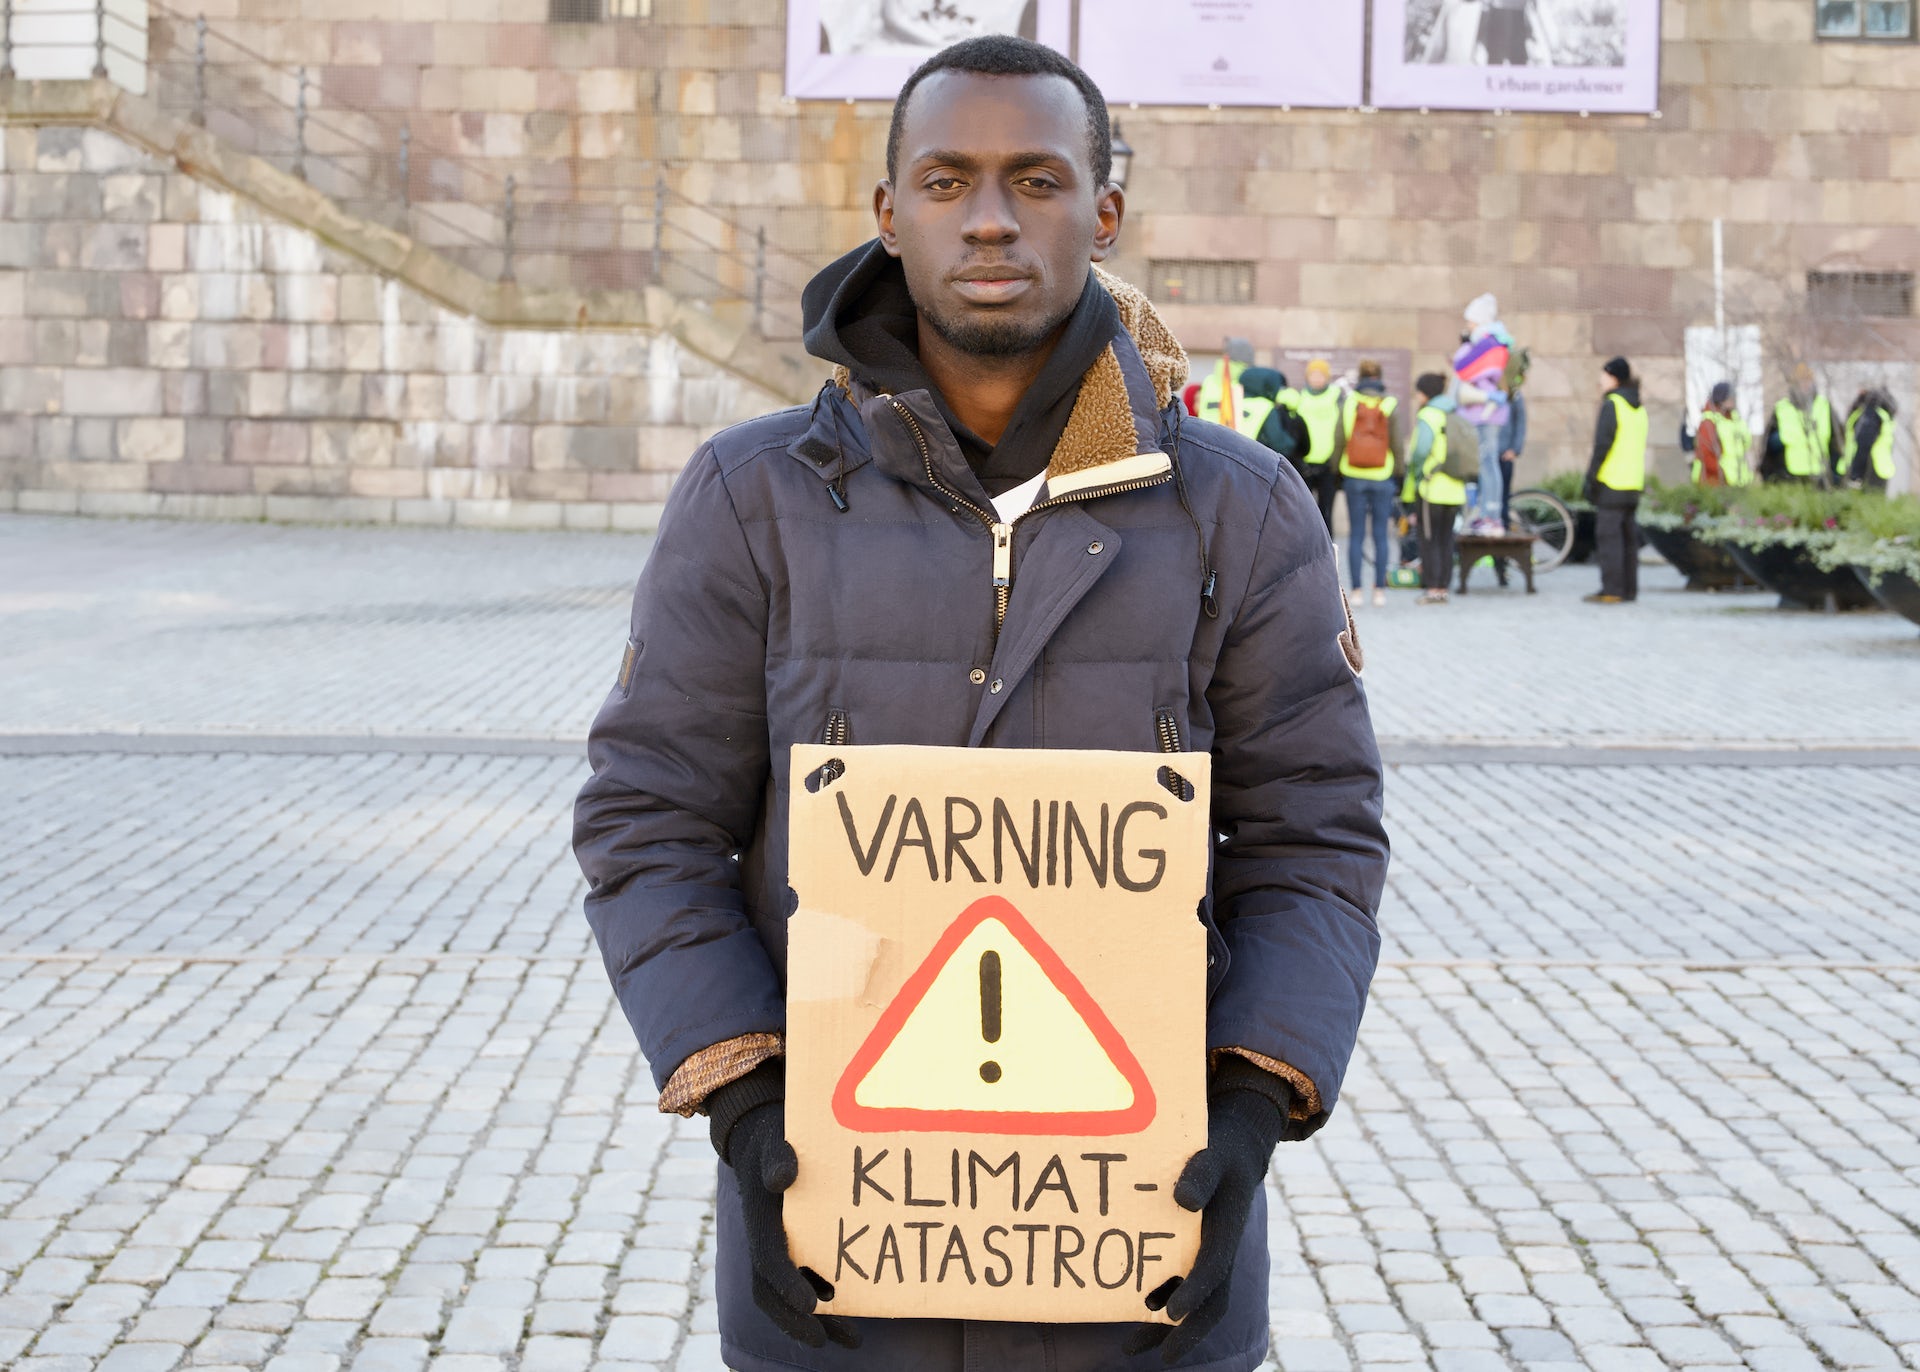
(883, 217)
(1111, 209)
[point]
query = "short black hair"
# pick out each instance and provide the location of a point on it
(1431, 384)
(1003, 54)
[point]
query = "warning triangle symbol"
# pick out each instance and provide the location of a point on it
(992, 1034)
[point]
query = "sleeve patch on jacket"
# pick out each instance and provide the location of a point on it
(627, 661)
(1350, 639)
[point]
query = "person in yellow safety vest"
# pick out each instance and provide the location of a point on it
(1439, 496)
(1867, 457)
(1370, 459)
(1720, 447)
(1800, 438)
(1320, 405)
(1616, 475)
(1263, 409)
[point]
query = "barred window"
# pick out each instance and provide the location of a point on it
(593, 11)
(1196, 281)
(1880, 19)
(1857, 295)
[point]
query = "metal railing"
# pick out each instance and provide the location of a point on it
(587, 224)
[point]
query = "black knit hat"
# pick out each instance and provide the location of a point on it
(1619, 370)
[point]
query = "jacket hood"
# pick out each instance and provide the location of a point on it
(1630, 392)
(1371, 385)
(860, 317)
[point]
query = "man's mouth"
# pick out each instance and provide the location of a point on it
(992, 286)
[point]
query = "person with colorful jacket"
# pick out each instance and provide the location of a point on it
(1616, 476)
(1438, 498)
(1722, 443)
(992, 528)
(1480, 369)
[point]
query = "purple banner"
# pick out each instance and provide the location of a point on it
(866, 49)
(1564, 55)
(1224, 52)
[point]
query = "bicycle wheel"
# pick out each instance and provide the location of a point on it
(1547, 518)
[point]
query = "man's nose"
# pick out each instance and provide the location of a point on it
(990, 216)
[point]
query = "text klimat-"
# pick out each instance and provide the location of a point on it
(1041, 845)
(1029, 1254)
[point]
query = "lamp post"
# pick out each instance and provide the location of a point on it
(1122, 157)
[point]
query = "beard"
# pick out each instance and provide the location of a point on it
(990, 335)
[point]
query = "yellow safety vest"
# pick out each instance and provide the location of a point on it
(1882, 451)
(1806, 449)
(1435, 486)
(1624, 468)
(1250, 411)
(1735, 439)
(1355, 400)
(1322, 414)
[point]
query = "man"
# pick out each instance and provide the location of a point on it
(1373, 442)
(1265, 412)
(1867, 457)
(1440, 497)
(1802, 431)
(1616, 475)
(1320, 406)
(991, 529)
(1722, 442)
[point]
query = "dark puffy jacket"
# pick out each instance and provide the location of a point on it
(767, 616)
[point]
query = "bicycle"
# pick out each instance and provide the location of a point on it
(1532, 511)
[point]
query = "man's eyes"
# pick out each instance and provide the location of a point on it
(943, 185)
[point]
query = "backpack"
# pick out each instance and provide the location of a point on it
(1515, 374)
(1463, 451)
(1369, 443)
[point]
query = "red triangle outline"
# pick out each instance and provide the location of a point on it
(880, 1119)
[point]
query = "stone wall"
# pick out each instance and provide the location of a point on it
(1370, 230)
(167, 348)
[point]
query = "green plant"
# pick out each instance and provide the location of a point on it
(1782, 515)
(1667, 506)
(1878, 535)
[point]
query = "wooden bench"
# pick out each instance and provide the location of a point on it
(1514, 548)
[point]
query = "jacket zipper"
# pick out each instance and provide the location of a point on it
(1002, 531)
(1168, 729)
(835, 735)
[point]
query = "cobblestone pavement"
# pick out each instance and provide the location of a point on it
(306, 1063)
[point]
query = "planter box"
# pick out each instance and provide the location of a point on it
(1789, 573)
(1706, 566)
(1898, 593)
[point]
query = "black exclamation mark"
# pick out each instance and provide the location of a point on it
(990, 1010)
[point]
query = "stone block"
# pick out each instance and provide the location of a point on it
(359, 298)
(630, 487)
(132, 197)
(267, 394)
(307, 298)
(166, 247)
(550, 485)
(299, 480)
(71, 295)
(389, 483)
(179, 296)
(665, 448)
(282, 443)
(151, 440)
(20, 244)
(602, 448)
(324, 395)
(111, 391)
(201, 478)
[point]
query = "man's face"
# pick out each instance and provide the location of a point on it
(995, 216)
(1317, 378)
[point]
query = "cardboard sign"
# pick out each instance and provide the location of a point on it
(996, 1027)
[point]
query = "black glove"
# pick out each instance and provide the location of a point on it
(747, 1120)
(1247, 1112)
